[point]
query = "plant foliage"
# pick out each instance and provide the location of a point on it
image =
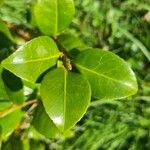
(46, 84)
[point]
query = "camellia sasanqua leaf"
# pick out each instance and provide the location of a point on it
(13, 86)
(53, 16)
(42, 120)
(3, 93)
(4, 104)
(5, 30)
(70, 41)
(66, 96)
(4, 97)
(33, 58)
(110, 76)
(9, 122)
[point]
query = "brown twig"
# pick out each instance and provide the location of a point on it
(15, 107)
(66, 59)
(21, 32)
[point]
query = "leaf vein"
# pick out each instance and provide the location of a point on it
(65, 93)
(102, 75)
(35, 60)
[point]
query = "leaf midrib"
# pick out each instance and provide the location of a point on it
(56, 23)
(102, 75)
(65, 94)
(35, 60)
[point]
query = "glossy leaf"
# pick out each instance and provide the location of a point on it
(4, 98)
(3, 93)
(13, 86)
(9, 122)
(65, 96)
(43, 124)
(69, 41)
(5, 30)
(33, 58)
(110, 77)
(53, 16)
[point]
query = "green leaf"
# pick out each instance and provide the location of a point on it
(65, 96)
(33, 58)
(1, 2)
(3, 53)
(69, 41)
(13, 86)
(5, 30)
(4, 104)
(42, 120)
(53, 16)
(72, 44)
(11, 89)
(3, 93)
(4, 99)
(9, 122)
(110, 77)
